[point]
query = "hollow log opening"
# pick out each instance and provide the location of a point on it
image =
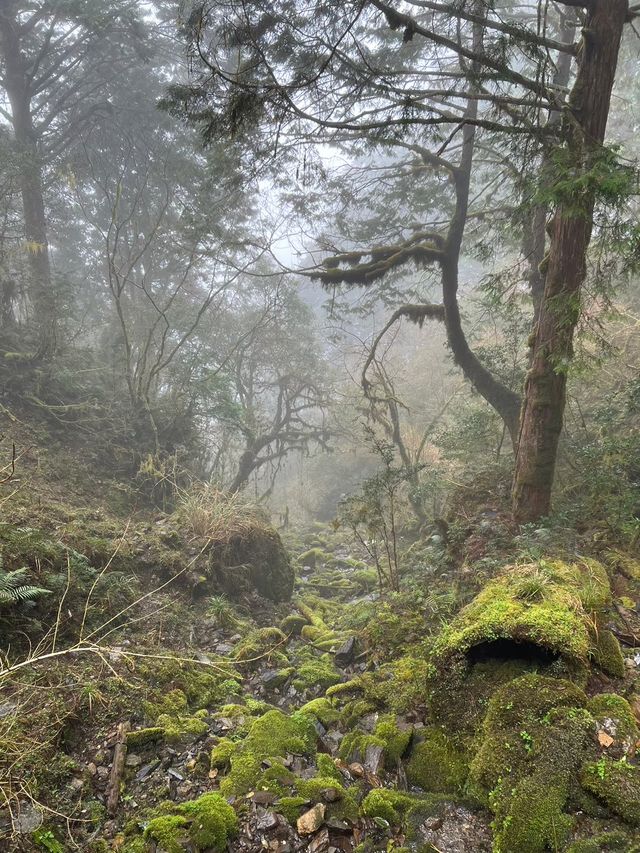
(506, 649)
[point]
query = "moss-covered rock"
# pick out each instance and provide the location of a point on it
(546, 603)
(207, 823)
(613, 714)
(255, 558)
(607, 654)
(438, 763)
(617, 784)
(323, 710)
(272, 736)
(387, 735)
(536, 735)
(388, 804)
(316, 673)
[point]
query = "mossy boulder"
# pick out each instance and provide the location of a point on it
(547, 604)
(536, 735)
(617, 784)
(534, 617)
(254, 559)
(207, 823)
(438, 763)
(272, 736)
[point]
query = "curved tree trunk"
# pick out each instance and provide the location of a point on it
(570, 233)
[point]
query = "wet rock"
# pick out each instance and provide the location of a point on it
(346, 653)
(311, 821)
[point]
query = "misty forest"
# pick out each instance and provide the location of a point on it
(320, 426)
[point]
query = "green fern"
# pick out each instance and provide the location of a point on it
(15, 589)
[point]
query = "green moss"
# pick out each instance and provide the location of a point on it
(354, 745)
(214, 822)
(607, 842)
(316, 673)
(263, 644)
(613, 707)
(322, 710)
(293, 624)
(172, 704)
(222, 752)
(395, 739)
(535, 736)
(291, 807)
(142, 737)
(208, 823)
(535, 822)
(386, 735)
(271, 736)
(437, 764)
(387, 804)
(181, 728)
(327, 768)
(607, 654)
(169, 831)
(547, 603)
(617, 784)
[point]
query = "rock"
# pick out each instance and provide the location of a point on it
(263, 798)
(27, 818)
(175, 775)
(455, 829)
(224, 649)
(266, 821)
(346, 653)
(7, 708)
(255, 559)
(272, 679)
(92, 769)
(320, 842)
(146, 770)
(311, 821)
(133, 760)
(374, 759)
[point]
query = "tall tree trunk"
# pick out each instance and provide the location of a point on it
(570, 235)
(17, 84)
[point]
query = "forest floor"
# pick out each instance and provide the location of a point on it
(491, 705)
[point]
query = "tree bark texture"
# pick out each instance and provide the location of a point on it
(570, 234)
(17, 84)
